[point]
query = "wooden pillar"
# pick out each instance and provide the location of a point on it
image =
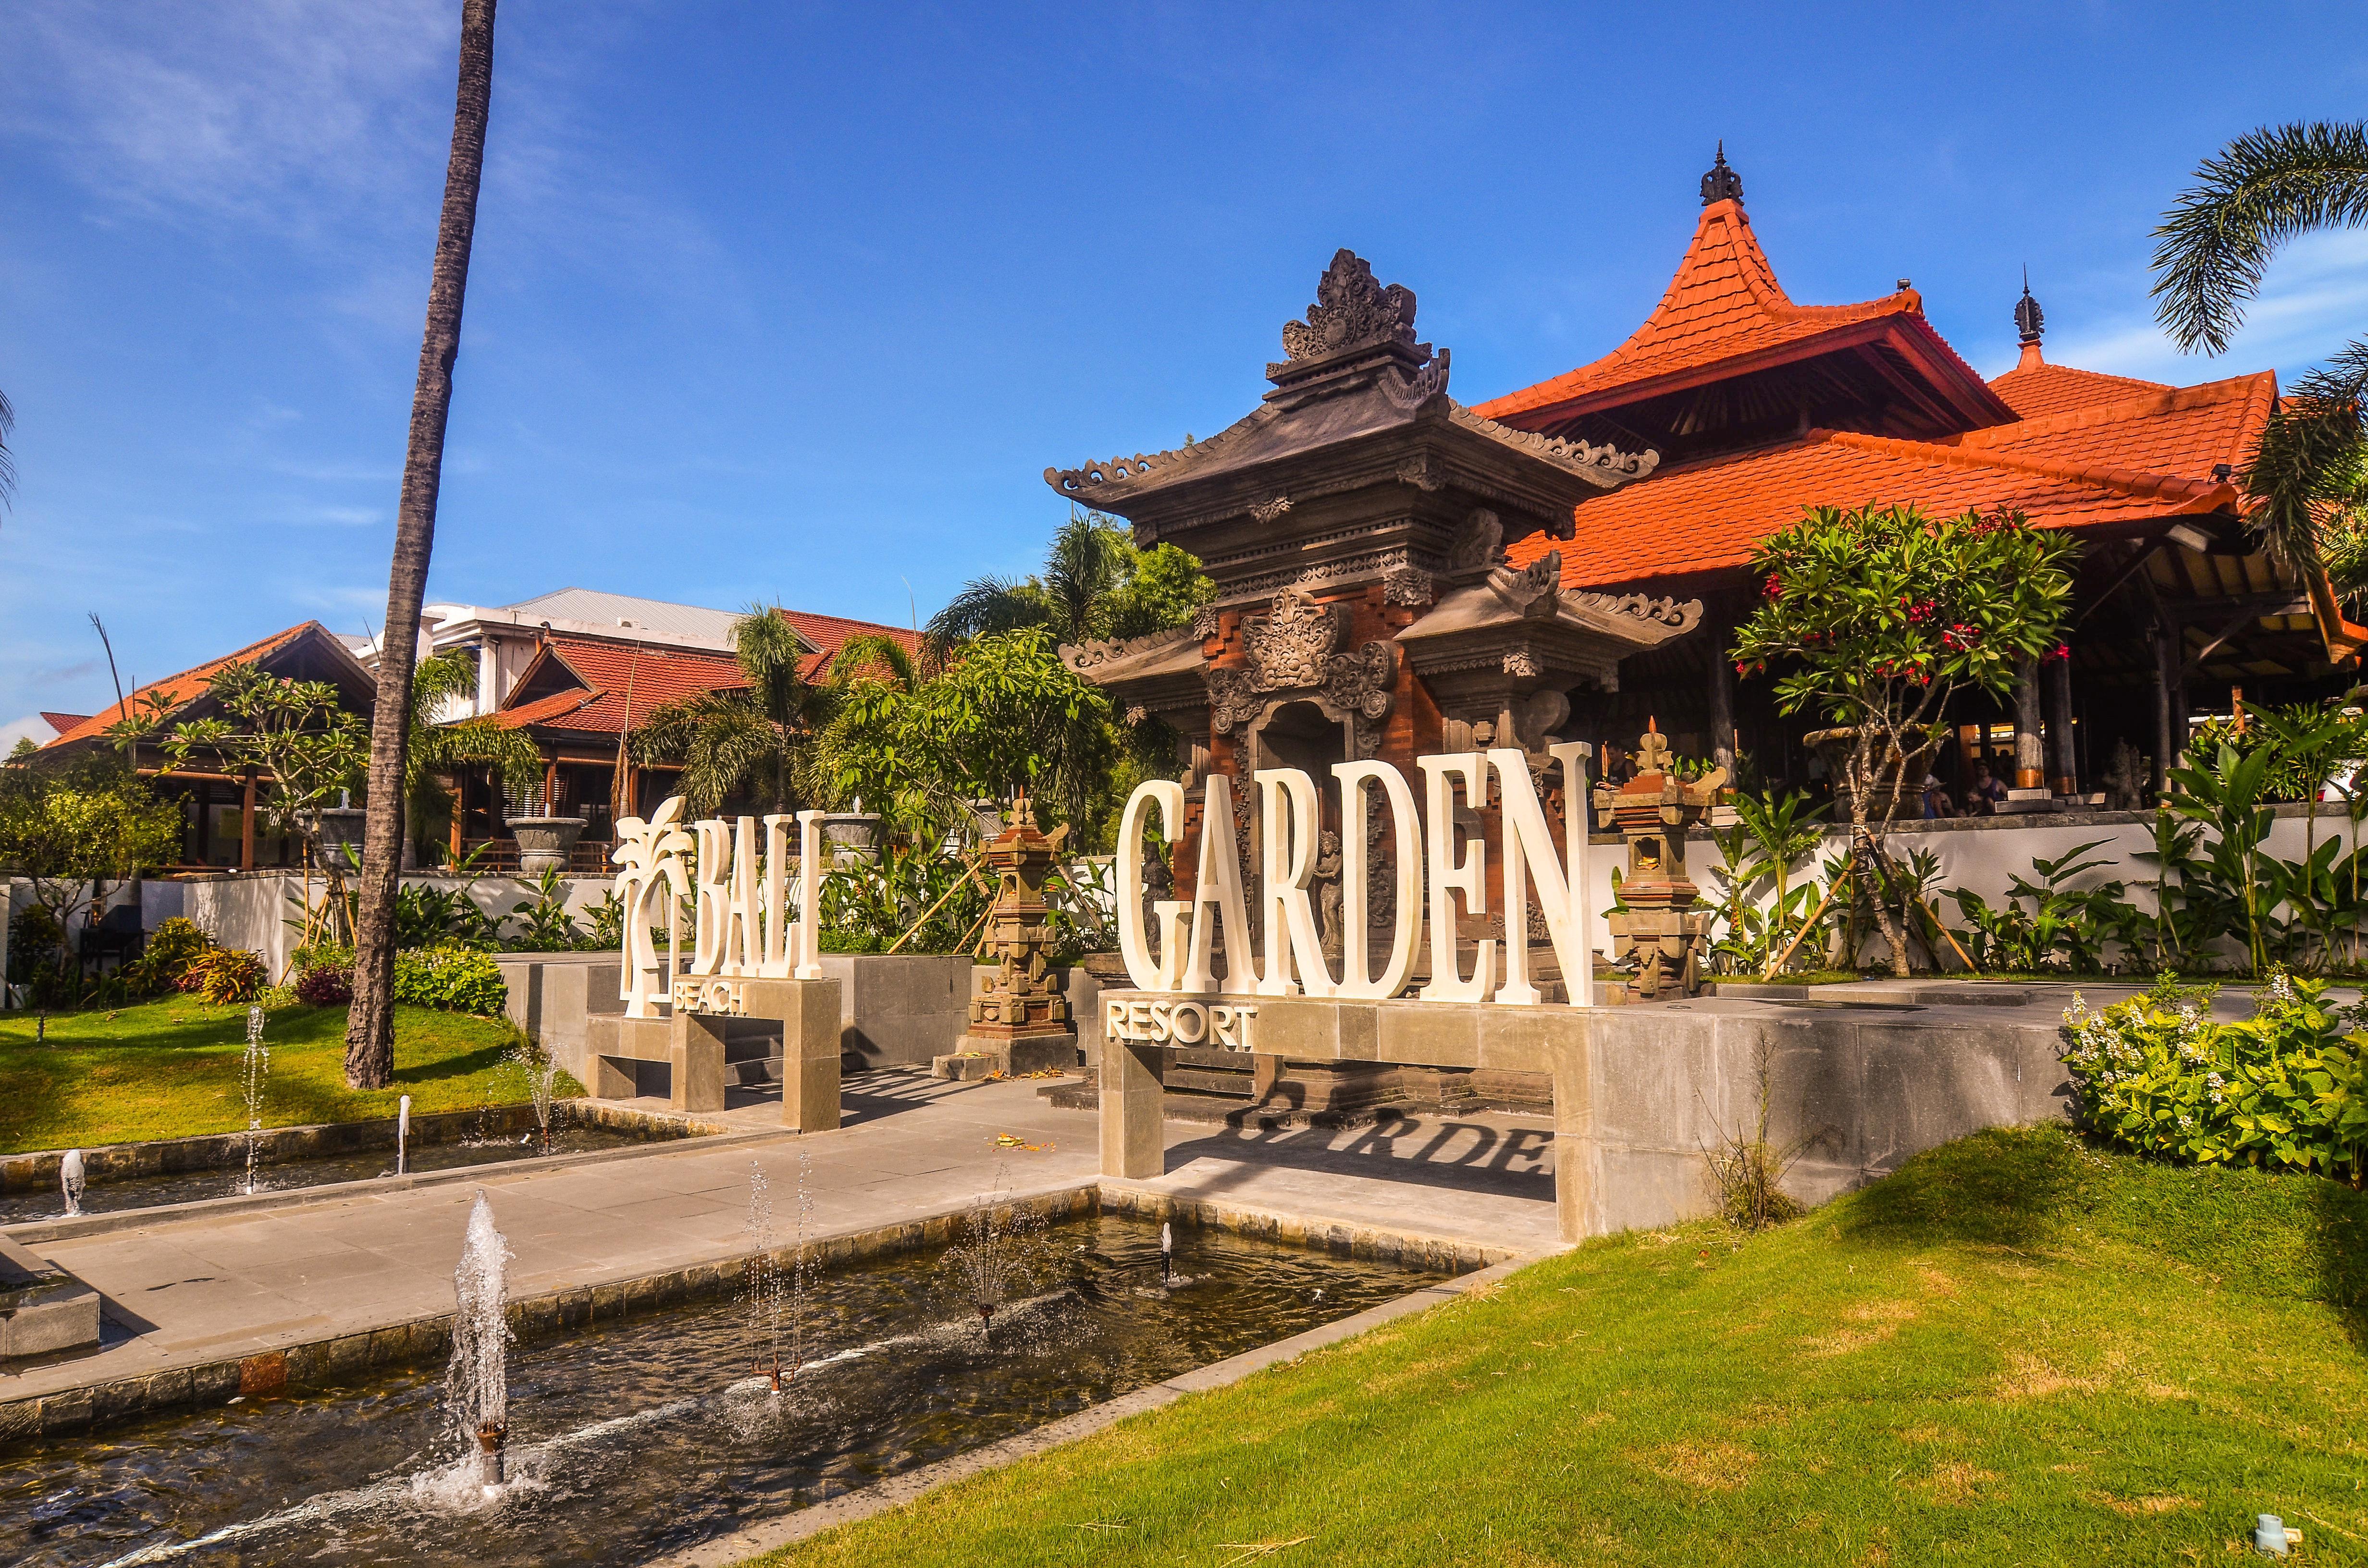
(246, 825)
(2170, 704)
(550, 782)
(459, 816)
(1722, 702)
(2029, 768)
(2065, 771)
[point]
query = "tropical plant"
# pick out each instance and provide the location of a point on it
(2224, 793)
(1878, 618)
(2048, 924)
(2285, 1088)
(931, 903)
(2308, 474)
(750, 739)
(38, 960)
(224, 977)
(370, 1026)
(7, 464)
(436, 751)
(166, 955)
(1770, 838)
(608, 917)
(326, 985)
(427, 916)
(544, 924)
(1095, 582)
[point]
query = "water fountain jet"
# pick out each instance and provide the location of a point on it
(476, 1381)
(402, 1133)
(254, 1069)
(70, 1178)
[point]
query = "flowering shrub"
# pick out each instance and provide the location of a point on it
(2287, 1088)
(224, 977)
(455, 979)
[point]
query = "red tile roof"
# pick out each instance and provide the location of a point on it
(2182, 431)
(179, 691)
(617, 683)
(62, 722)
(1709, 515)
(2035, 389)
(1723, 303)
(831, 633)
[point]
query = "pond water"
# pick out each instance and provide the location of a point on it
(188, 1186)
(649, 1435)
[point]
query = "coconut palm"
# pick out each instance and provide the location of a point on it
(8, 465)
(1095, 584)
(2308, 481)
(434, 750)
(752, 739)
(370, 1026)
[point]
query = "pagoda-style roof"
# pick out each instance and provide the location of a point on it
(1727, 360)
(1356, 461)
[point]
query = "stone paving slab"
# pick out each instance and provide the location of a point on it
(206, 1285)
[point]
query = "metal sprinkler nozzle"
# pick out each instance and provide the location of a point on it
(491, 1438)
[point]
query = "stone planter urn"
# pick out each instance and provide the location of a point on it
(850, 835)
(339, 846)
(1833, 745)
(544, 843)
(985, 818)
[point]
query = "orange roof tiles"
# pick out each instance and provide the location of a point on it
(62, 722)
(2035, 389)
(829, 633)
(1708, 515)
(622, 682)
(1723, 303)
(2184, 430)
(178, 691)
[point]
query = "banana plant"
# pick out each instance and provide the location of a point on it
(1766, 846)
(2226, 797)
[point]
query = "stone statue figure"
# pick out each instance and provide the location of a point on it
(1327, 892)
(2127, 777)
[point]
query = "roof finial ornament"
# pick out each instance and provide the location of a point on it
(1722, 183)
(2030, 321)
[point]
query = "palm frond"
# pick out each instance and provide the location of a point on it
(2265, 188)
(8, 465)
(2311, 464)
(985, 606)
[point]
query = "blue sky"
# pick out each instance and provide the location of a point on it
(798, 302)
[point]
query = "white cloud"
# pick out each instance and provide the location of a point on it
(32, 727)
(257, 111)
(2313, 301)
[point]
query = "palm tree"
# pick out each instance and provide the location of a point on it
(370, 1026)
(8, 465)
(754, 738)
(2308, 477)
(434, 749)
(1094, 584)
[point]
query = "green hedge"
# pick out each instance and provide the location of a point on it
(455, 979)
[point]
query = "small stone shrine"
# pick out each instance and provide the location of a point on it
(1018, 1013)
(1659, 924)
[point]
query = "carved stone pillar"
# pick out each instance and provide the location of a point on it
(2029, 768)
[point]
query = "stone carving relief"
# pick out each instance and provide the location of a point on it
(1483, 544)
(1407, 585)
(1664, 611)
(1269, 511)
(1085, 657)
(1422, 473)
(1295, 649)
(1533, 589)
(1205, 622)
(1520, 663)
(1351, 309)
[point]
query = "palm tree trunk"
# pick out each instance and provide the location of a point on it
(369, 1027)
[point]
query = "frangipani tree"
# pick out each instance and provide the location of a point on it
(1877, 618)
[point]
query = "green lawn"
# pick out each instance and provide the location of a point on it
(2018, 1351)
(171, 1069)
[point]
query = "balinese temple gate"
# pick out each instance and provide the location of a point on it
(1355, 525)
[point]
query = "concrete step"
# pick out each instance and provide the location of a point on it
(1232, 1084)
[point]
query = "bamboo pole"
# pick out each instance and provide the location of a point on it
(1777, 962)
(969, 871)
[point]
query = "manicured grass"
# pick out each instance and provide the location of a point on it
(171, 1069)
(2017, 1350)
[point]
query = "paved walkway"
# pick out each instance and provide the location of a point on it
(224, 1283)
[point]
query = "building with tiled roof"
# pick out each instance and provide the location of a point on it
(579, 683)
(1758, 408)
(226, 822)
(1438, 568)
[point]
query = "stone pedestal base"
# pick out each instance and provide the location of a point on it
(808, 1010)
(51, 1312)
(1030, 1053)
(611, 1040)
(961, 1067)
(692, 1045)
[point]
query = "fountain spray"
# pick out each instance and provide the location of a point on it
(70, 1178)
(476, 1386)
(402, 1133)
(1166, 1252)
(254, 1069)
(760, 1288)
